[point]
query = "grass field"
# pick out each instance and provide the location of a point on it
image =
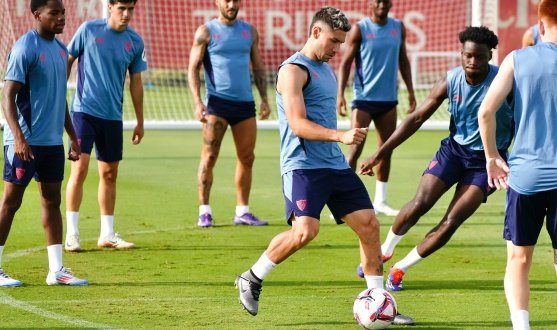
(181, 277)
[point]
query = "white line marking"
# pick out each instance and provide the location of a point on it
(7, 300)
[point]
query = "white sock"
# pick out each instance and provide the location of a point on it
(410, 260)
(380, 192)
(520, 320)
(107, 225)
(263, 267)
(241, 210)
(374, 281)
(71, 223)
(388, 248)
(205, 209)
(1, 254)
(54, 257)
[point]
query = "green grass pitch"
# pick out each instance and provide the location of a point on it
(181, 277)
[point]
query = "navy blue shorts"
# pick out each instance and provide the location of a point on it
(374, 108)
(106, 135)
(46, 166)
(306, 192)
(454, 163)
(524, 217)
(232, 111)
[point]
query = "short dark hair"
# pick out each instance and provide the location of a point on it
(113, 2)
(479, 35)
(37, 4)
(333, 17)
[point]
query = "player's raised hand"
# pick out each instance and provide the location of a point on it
(497, 173)
(341, 106)
(354, 136)
(366, 167)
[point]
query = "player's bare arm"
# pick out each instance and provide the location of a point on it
(409, 125)
(21, 147)
(528, 38)
(71, 60)
(405, 71)
(200, 42)
(497, 169)
(259, 76)
(290, 82)
(352, 46)
(136, 91)
(74, 151)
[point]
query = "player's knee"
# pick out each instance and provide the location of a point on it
(302, 237)
(247, 159)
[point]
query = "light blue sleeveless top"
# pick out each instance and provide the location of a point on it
(227, 61)
(533, 159)
(464, 103)
(320, 101)
(375, 78)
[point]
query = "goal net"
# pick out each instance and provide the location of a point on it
(168, 28)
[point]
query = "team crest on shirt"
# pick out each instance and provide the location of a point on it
(63, 54)
(315, 75)
(432, 164)
(216, 37)
(42, 57)
(302, 203)
(128, 45)
(370, 35)
(99, 40)
(394, 33)
(19, 173)
(246, 34)
(457, 98)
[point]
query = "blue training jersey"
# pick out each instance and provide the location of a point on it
(41, 66)
(533, 159)
(104, 56)
(375, 77)
(320, 101)
(464, 103)
(227, 61)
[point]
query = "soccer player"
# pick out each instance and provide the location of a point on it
(378, 43)
(530, 174)
(105, 49)
(460, 159)
(531, 36)
(226, 46)
(35, 109)
(313, 168)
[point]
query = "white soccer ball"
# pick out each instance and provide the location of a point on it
(375, 309)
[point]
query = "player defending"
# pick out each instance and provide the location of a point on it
(226, 46)
(314, 170)
(379, 45)
(35, 109)
(460, 159)
(530, 174)
(106, 49)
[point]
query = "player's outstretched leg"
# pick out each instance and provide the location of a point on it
(249, 288)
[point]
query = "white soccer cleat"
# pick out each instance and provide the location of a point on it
(72, 243)
(64, 276)
(114, 241)
(7, 281)
(386, 209)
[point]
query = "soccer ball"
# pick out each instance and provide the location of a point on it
(374, 309)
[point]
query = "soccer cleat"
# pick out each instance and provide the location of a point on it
(205, 220)
(386, 209)
(249, 292)
(249, 219)
(401, 319)
(394, 280)
(72, 243)
(64, 276)
(360, 271)
(114, 241)
(7, 281)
